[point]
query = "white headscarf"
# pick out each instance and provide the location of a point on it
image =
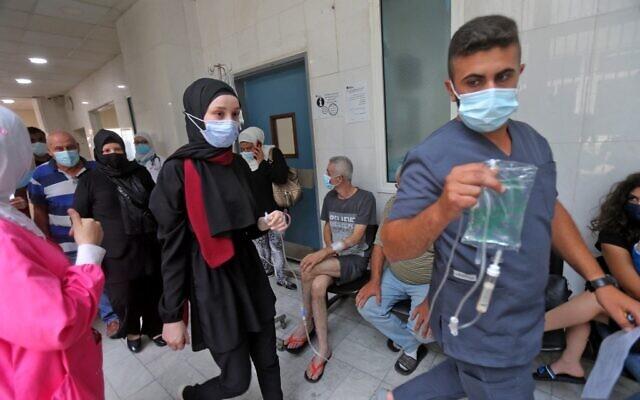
(253, 134)
(149, 155)
(16, 160)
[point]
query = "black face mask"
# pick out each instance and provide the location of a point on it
(115, 160)
(633, 211)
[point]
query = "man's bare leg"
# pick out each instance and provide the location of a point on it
(299, 334)
(325, 273)
(330, 267)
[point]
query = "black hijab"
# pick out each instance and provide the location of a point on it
(133, 196)
(105, 137)
(227, 194)
(196, 100)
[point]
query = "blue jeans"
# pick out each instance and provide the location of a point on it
(106, 311)
(393, 290)
(632, 364)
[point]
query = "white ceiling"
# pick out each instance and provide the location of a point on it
(77, 37)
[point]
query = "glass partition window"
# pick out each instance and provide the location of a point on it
(415, 40)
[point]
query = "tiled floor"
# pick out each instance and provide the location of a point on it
(361, 364)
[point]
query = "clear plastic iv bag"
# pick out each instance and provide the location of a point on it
(505, 211)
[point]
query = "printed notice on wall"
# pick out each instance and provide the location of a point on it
(357, 103)
(327, 105)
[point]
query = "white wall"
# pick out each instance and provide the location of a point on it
(162, 56)
(580, 90)
(336, 37)
(98, 89)
(51, 113)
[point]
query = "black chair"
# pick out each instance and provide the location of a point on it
(557, 292)
(351, 288)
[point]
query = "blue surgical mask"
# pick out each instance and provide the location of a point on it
(633, 211)
(248, 155)
(26, 178)
(67, 158)
(487, 110)
(219, 133)
(39, 148)
(327, 182)
(143, 152)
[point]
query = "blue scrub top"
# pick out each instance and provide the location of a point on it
(510, 333)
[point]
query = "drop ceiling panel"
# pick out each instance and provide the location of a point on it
(51, 40)
(72, 9)
(13, 34)
(59, 26)
(13, 19)
(77, 37)
(104, 33)
(20, 5)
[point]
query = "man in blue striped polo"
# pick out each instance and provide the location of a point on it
(51, 192)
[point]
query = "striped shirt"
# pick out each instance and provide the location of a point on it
(54, 189)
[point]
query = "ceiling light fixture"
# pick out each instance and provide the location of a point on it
(85, 102)
(23, 81)
(122, 87)
(8, 101)
(38, 60)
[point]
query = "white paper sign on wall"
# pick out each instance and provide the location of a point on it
(357, 103)
(328, 105)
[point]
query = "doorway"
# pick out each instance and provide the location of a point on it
(279, 91)
(105, 117)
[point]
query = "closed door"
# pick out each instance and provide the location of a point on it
(284, 91)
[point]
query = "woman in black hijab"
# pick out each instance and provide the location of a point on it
(206, 221)
(116, 193)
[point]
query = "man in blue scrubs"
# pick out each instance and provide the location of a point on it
(442, 178)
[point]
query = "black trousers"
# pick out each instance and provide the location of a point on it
(235, 365)
(135, 299)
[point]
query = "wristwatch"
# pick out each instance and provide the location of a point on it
(606, 280)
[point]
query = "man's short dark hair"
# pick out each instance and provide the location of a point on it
(481, 34)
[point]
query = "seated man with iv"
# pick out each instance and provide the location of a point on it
(347, 211)
(390, 284)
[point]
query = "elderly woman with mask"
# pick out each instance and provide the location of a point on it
(206, 221)
(268, 166)
(116, 193)
(47, 347)
(146, 154)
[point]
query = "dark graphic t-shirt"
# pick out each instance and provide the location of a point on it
(343, 216)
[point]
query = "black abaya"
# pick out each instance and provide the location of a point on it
(227, 301)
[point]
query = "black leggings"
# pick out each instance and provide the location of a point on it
(235, 366)
(134, 299)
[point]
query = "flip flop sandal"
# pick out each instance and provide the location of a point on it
(392, 346)
(545, 373)
(314, 370)
(406, 365)
(303, 342)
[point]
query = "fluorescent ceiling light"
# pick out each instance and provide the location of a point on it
(8, 101)
(38, 60)
(121, 86)
(85, 102)
(23, 81)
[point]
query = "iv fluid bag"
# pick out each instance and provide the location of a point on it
(505, 211)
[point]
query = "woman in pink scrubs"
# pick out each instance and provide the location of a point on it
(48, 349)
